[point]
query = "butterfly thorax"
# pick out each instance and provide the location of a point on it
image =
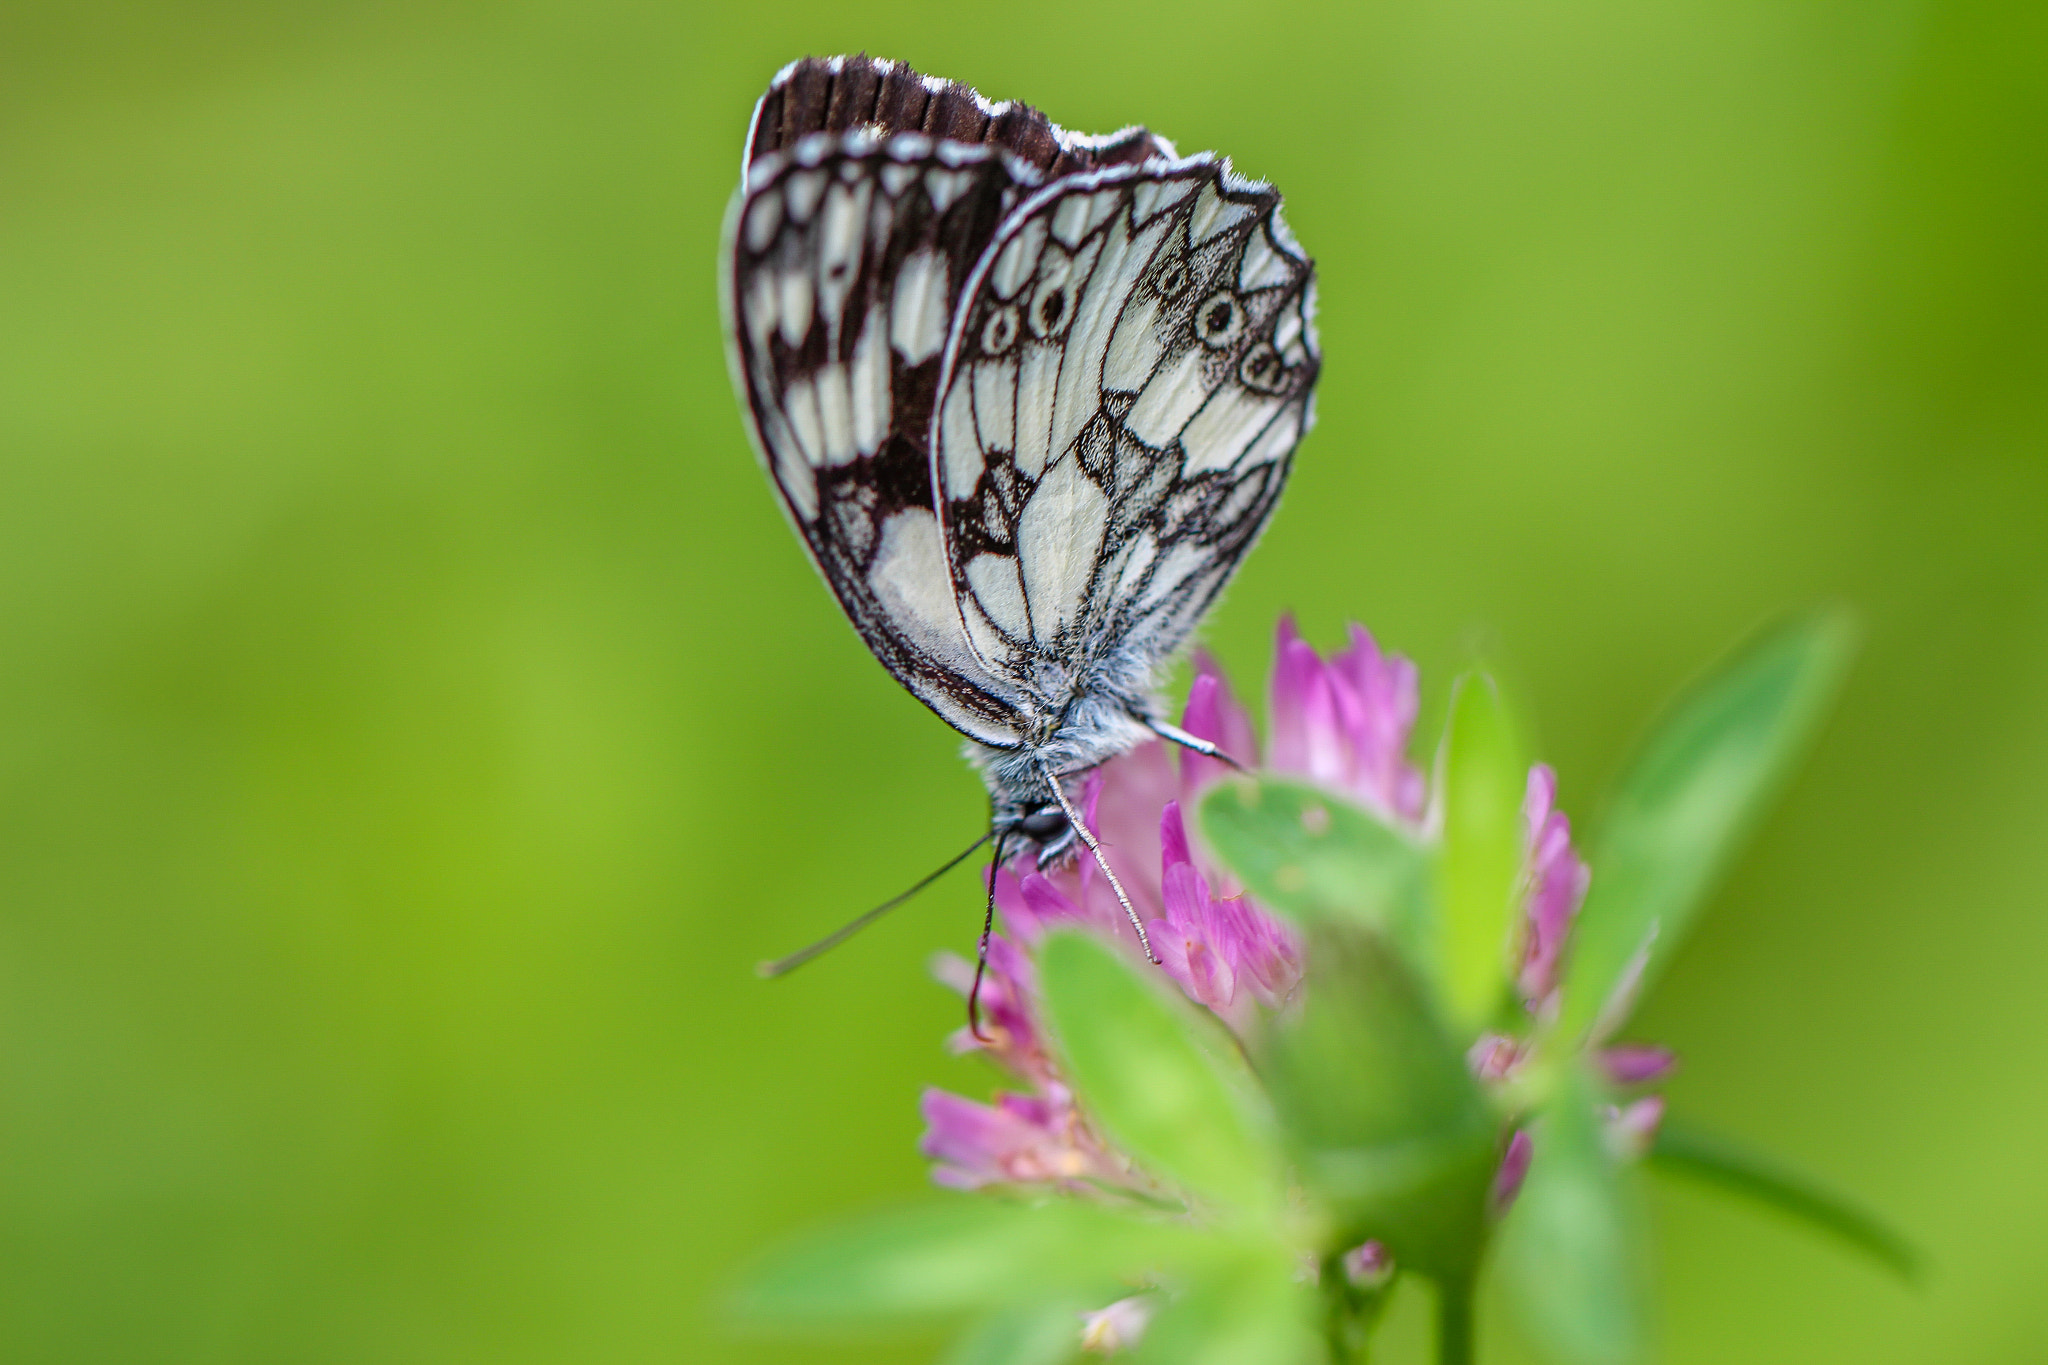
(1101, 715)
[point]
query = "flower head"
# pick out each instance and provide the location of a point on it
(1343, 723)
(1427, 1028)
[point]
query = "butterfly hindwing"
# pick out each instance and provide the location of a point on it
(1127, 378)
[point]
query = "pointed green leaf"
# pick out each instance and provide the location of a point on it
(1137, 1059)
(1685, 805)
(1389, 1129)
(961, 1256)
(1480, 866)
(1687, 1151)
(1035, 1334)
(1573, 1250)
(1311, 857)
(1256, 1314)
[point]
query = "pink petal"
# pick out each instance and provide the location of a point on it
(1346, 723)
(1557, 878)
(1632, 1129)
(1637, 1063)
(1297, 682)
(1514, 1168)
(1173, 838)
(1493, 1056)
(1214, 714)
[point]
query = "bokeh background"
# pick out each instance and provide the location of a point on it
(416, 719)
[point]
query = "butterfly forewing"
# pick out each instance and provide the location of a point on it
(1126, 381)
(849, 253)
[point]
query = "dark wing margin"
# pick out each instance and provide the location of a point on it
(1125, 386)
(837, 94)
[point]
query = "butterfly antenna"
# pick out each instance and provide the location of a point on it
(782, 966)
(1080, 828)
(1188, 741)
(988, 926)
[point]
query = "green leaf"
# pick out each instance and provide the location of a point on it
(1135, 1057)
(1312, 857)
(1254, 1314)
(1480, 866)
(1036, 1334)
(1573, 1249)
(1388, 1127)
(1685, 805)
(962, 1256)
(1686, 1151)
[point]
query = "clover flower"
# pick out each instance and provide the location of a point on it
(1343, 723)
(1425, 981)
(1219, 946)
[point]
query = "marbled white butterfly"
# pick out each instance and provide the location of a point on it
(1027, 396)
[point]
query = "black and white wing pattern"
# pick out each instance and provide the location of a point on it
(1124, 387)
(1027, 397)
(869, 195)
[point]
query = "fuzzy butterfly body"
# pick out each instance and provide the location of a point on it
(1028, 398)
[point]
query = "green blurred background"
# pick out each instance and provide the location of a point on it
(416, 719)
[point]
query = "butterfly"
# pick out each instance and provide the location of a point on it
(1028, 397)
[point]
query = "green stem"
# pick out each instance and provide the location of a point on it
(1454, 1324)
(1344, 1328)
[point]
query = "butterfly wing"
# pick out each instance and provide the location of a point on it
(868, 195)
(1123, 392)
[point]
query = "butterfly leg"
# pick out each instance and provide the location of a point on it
(1187, 741)
(1088, 838)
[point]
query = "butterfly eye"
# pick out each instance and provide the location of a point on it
(1219, 319)
(1261, 369)
(1172, 281)
(999, 331)
(1049, 308)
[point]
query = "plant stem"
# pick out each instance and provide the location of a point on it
(1454, 1324)
(1344, 1325)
